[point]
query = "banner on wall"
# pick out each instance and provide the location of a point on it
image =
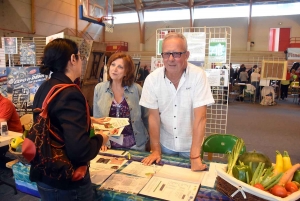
(217, 50)
(54, 36)
(27, 53)
(22, 84)
(10, 45)
(196, 47)
(293, 54)
(217, 77)
(156, 63)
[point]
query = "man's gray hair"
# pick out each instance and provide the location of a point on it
(176, 35)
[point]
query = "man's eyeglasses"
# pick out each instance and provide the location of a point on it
(82, 57)
(166, 55)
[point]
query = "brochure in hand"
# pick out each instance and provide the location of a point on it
(111, 126)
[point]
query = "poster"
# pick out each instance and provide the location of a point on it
(156, 63)
(10, 45)
(293, 54)
(22, 84)
(196, 47)
(217, 77)
(27, 53)
(217, 50)
(2, 58)
(3, 81)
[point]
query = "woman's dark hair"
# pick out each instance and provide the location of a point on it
(128, 66)
(57, 53)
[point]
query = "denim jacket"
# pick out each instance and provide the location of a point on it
(103, 97)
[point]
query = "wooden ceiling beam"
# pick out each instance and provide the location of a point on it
(191, 7)
(140, 12)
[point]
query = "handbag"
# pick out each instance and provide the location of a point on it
(44, 148)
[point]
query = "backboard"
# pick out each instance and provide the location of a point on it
(97, 11)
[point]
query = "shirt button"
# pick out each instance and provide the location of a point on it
(175, 137)
(170, 82)
(175, 105)
(174, 128)
(174, 116)
(130, 109)
(135, 133)
(132, 122)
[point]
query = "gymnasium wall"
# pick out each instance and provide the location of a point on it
(54, 16)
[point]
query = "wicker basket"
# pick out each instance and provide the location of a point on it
(228, 189)
(18, 155)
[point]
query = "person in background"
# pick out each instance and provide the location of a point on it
(146, 71)
(119, 97)
(177, 96)
(243, 78)
(231, 74)
(250, 71)
(255, 78)
(284, 86)
(68, 114)
(9, 114)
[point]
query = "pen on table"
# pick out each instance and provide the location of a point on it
(123, 152)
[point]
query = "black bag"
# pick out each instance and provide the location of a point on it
(44, 148)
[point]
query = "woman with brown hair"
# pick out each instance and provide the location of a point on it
(119, 97)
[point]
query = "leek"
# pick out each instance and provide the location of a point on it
(234, 154)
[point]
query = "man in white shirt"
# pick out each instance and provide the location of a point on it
(176, 96)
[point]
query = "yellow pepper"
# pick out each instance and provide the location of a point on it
(16, 141)
(287, 164)
(279, 163)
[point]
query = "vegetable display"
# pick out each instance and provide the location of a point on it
(256, 169)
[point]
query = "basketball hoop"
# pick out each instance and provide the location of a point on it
(109, 23)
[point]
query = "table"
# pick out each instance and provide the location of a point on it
(4, 140)
(295, 93)
(204, 193)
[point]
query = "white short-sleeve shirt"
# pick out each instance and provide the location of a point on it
(176, 106)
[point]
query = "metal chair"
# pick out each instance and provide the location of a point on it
(220, 144)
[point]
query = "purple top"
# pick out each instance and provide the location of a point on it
(122, 110)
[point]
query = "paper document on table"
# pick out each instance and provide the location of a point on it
(180, 173)
(107, 162)
(174, 183)
(141, 170)
(211, 175)
(124, 183)
(99, 175)
(169, 189)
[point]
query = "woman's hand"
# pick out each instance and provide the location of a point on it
(102, 120)
(103, 148)
(105, 138)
